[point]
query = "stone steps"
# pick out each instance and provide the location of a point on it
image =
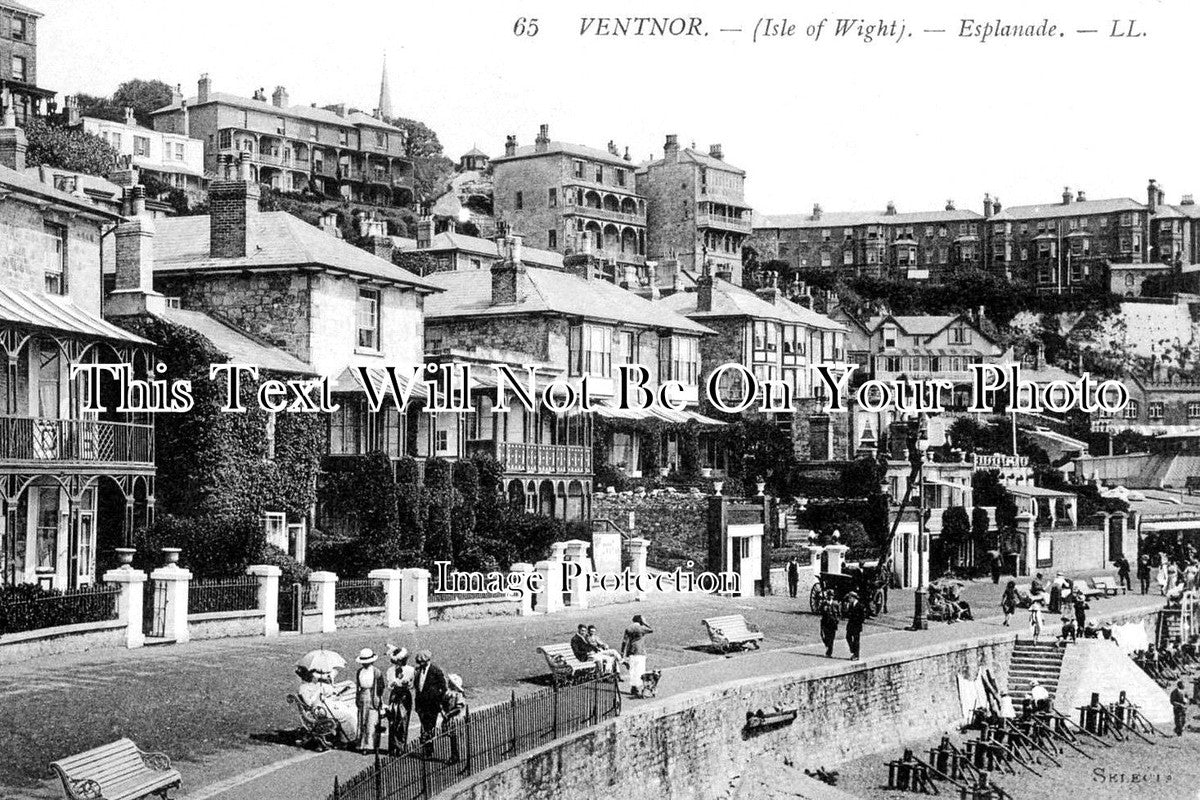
(1034, 663)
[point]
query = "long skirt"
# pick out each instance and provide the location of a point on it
(637, 668)
(368, 728)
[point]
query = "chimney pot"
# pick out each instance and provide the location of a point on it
(507, 271)
(988, 207)
(891, 208)
(1080, 196)
(671, 148)
(1152, 195)
(716, 152)
(203, 88)
(816, 211)
(1066, 196)
(542, 143)
(949, 205)
(510, 145)
(279, 98)
(130, 119)
(233, 205)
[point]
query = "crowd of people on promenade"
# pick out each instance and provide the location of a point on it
(1174, 572)
(377, 701)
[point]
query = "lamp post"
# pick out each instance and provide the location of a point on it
(918, 446)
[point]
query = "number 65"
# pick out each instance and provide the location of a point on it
(525, 27)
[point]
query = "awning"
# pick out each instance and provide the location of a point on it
(604, 409)
(1038, 491)
(57, 313)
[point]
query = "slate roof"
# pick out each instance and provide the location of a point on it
(917, 325)
(275, 239)
(566, 148)
(543, 291)
(729, 300)
(28, 184)
(1083, 208)
(309, 113)
(447, 240)
(238, 345)
(697, 157)
(850, 219)
(58, 313)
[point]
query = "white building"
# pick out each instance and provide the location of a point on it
(173, 158)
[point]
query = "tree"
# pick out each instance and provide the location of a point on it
(956, 530)
(980, 525)
(429, 162)
(143, 96)
(439, 542)
(67, 148)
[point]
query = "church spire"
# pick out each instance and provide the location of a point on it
(384, 109)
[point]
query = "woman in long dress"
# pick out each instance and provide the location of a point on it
(368, 696)
(319, 691)
(1162, 574)
(398, 698)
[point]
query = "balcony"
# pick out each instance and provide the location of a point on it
(607, 215)
(57, 441)
(739, 224)
(540, 459)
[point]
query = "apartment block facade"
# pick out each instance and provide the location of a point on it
(573, 199)
(19, 90)
(175, 159)
(334, 151)
(697, 209)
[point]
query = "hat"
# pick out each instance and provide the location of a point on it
(424, 657)
(851, 594)
(366, 656)
(455, 682)
(397, 653)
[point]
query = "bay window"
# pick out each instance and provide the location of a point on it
(590, 350)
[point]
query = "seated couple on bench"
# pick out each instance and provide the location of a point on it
(586, 646)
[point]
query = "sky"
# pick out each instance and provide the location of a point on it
(836, 121)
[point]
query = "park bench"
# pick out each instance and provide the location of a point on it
(732, 631)
(564, 666)
(320, 729)
(1108, 584)
(1088, 592)
(116, 771)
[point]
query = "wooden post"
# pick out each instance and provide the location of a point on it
(378, 775)
(554, 728)
(512, 715)
(467, 736)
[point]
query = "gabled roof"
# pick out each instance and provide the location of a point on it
(310, 113)
(474, 151)
(687, 154)
(915, 325)
(238, 345)
(278, 240)
(729, 300)
(568, 149)
(30, 185)
(58, 313)
(850, 219)
(1073, 209)
(543, 291)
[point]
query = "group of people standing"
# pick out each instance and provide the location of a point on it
(375, 700)
(831, 616)
(1175, 573)
(1060, 596)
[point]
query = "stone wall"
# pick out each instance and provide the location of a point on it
(17, 648)
(692, 745)
(225, 624)
(473, 609)
(359, 617)
(675, 524)
(1078, 550)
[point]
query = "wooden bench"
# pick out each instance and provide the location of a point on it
(564, 666)
(116, 771)
(1108, 584)
(732, 631)
(1088, 592)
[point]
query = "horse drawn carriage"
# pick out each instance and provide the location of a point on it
(867, 580)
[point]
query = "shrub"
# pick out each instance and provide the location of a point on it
(211, 547)
(68, 148)
(439, 544)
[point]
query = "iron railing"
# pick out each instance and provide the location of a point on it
(42, 439)
(39, 608)
(214, 595)
(545, 459)
(362, 593)
(482, 739)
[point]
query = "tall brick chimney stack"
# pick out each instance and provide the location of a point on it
(769, 291)
(714, 150)
(507, 271)
(71, 104)
(510, 145)
(542, 143)
(203, 88)
(233, 205)
(1067, 196)
(704, 289)
(13, 143)
(1151, 195)
(671, 148)
(134, 289)
(279, 97)
(988, 208)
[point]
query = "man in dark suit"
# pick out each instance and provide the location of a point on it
(430, 684)
(580, 647)
(1179, 703)
(856, 615)
(793, 575)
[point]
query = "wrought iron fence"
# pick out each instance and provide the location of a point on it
(32, 608)
(358, 593)
(483, 739)
(293, 600)
(211, 595)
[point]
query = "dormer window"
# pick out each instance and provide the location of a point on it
(889, 336)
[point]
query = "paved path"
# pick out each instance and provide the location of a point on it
(217, 706)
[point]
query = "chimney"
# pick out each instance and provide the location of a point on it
(13, 143)
(329, 224)
(996, 205)
(891, 209)
(134, 289)
(1187, 200)
(176, 94)
(629, 277)
(714, 150)
(1152, 195)
(510, 145)
(233, 205)
(627, 157)
(671, 149)
(987, 206)
(949, 205)
(71, 103)
(126, 173)
(724, 273)
(652, 272)
(382, 246)
(1066, 195)
(704, 289)
(816, 211)
(581, 265)
(203, 88)
(542, 143)
(279, 97)
(130, 119)
(1080, 196)
(185, 119)
(612, 148)
(769, 291)
(425, 232)
(507, 271)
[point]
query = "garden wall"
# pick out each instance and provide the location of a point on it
(675, 524)
(19, 647)
(223, 624)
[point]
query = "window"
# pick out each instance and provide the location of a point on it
(578, 169)
(368, 319)
(346, 430)
(18, 29)
(552, 197)
(47, 526)
(141, 145)
(679, 360)
(1154, 411)
(766, 340)
(18, 68)
(314, 133)
(179, 151)
(66, 183)
(55, 266)
(343, 137)
(552, 239)
(891, 363)
(441, 440)
(381, 139)
(847, 257)
(960, 334)
(225, 140)
(826, 259)
(275, 526)
(1193, 410)
(269, 435)
(621, 177)
(624, 349)
(889, 336)
(519, 202)
(599, 174)
(280, 126)
(1131, 409)
(590, 350)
